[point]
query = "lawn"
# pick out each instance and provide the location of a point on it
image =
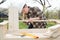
(49, 24)
(22, 25)
(25, 26)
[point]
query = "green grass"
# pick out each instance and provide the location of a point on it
(22, 25)
(25, 26)
(49, 24)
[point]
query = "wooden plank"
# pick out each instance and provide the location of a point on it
(57, 21)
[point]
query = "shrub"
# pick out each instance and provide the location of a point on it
(1, 20)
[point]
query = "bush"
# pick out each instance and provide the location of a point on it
(1, 20)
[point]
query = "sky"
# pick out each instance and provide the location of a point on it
(55, 4)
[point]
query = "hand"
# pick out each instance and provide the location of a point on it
(31, 19)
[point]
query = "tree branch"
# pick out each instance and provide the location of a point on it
(2, 1)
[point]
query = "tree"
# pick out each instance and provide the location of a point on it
(59, 14)
(42, 2)
(2, 1)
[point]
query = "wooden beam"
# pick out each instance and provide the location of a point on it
(57, 21)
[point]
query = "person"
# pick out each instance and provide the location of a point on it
(34, 13)
(24, 12)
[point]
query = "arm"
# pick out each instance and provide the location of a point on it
(31, 19)
(34, 18)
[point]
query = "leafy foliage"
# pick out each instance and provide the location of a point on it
(1, 20)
